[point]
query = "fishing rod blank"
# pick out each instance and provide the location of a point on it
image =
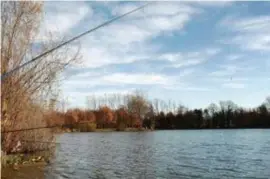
(72, 39)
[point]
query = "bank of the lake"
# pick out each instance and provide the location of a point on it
(67, 130)
(25, 171)
(27, 165)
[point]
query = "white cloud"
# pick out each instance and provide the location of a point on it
(157, 9)
(60, 17)
(98, 93)
(128, 39)
(258, 42)
(189, 62)
(237, 79)
(248, 24)
(186, 88)
(233, 79)
(234, 57)
(97, 56)
(231, 69)
(89, 80)
(252, 33)
(227, 71)
(159, 24)
(125, 78)
(190, 58)
(119, 79)
(87, 75)
(186, 72)
(212, 3)
(122, 34)
(234, 85)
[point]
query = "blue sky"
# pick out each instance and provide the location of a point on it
(195, 53)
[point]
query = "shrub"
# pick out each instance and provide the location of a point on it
(87, 127)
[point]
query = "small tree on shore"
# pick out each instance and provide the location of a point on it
(138, 105)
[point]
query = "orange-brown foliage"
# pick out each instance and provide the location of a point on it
(122, 113)
(55, 118)
(90, 116)
(135, 121)
(105, 117)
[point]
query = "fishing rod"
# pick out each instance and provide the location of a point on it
(72, 39)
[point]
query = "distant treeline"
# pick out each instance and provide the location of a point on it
(135, 111)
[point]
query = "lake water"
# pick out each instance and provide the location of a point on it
(163, 154)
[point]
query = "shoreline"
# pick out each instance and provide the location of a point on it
(18, 160)
(152, 130)
(61, 131)
(36, 170)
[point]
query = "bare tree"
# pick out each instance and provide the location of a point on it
(112, 101)
(169, 105)
(212, 108)
(92, 102)
(267, 103)
(174, 108)
(137, 104)
(227, 107)
(181, 109)
(26, 92)
(268, 100)
(156, 106)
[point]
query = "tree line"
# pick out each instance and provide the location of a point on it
(134, 110)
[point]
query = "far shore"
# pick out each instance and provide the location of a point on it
(60, 131)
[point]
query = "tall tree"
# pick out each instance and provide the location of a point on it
(138, 105)
(227, 108)
(25, 92)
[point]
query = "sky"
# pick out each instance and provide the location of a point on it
(194, 53)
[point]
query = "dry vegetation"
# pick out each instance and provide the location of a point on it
(26, 92)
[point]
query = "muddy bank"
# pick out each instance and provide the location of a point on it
(24, 171)
(24, 165)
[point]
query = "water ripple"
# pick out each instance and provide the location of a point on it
(164, 154)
